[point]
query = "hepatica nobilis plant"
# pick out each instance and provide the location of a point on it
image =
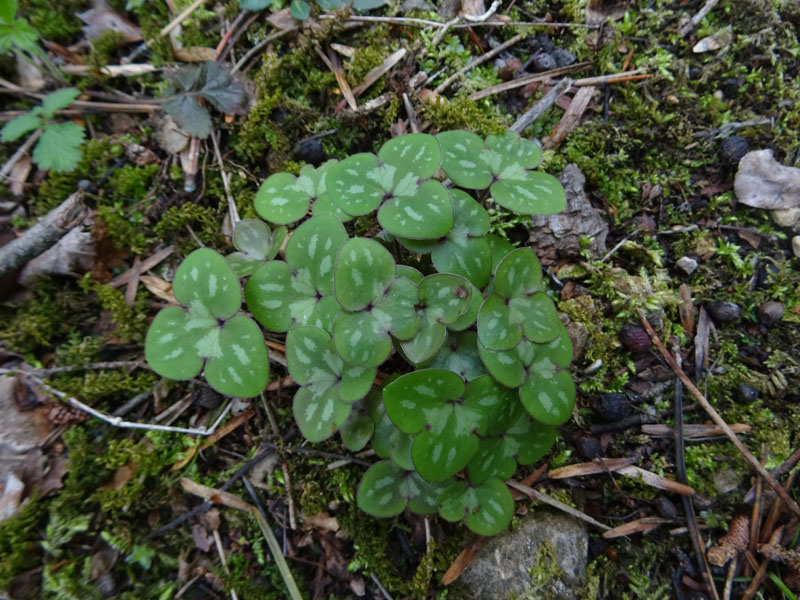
(473, 356)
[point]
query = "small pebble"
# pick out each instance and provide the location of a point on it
(310, 151)
(786, 217)
(614, 407)
(543, 62)
(589, 446)
(666, 508)
(563, 57)
(733, 149)
(723, 311)
(687, 265)
(796, 246)
(770, 313)
(634, 338)
(747, 393)
(84, 184)
(695, 73)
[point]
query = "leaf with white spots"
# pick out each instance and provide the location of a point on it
(268, 293)
(531, 439)
(492, 459)
(319, 411)
(392, 443)
(357, 184)
(558, 351)
(469, 317)
(441, 454)
(496, 329)
(444, 296)
(488, 507)
(386, 490)
(518, 274)
(548, 395)
(425, 212)
(410, 273)
(363, 271)
(427, 341)
(461, 162)
(325, 205)
(361, 339)
(506, 366)
(534, 193)
(459, 354)
(206, 284)
(357, 430)
(313, 247)
(281, 200)
(409, 396)
(418, 154)
(255, 243)
(241, 369)
(170, 344)
(396, 309)
(356, 381)
(488, 406)
(309, 356)
(514, 149)
(537, 316)
(499, 249)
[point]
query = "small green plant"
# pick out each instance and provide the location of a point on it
(17, 36)
(58, 148)
(485, 385)
(301, 9)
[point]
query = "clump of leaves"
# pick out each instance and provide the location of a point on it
(486, 384)
(301, 9)
(17, 35)
(208, 81)
(58, 148)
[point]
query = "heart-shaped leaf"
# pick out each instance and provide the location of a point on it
(363, 271)
(426, 343)
(357, 184)
(418, 154)
(514, 149)
(488, 507)
(461, 159)
(469, 317)
(548, 394)
(325, 205)
(170, 343)
(319, 411)
(313, 248)
(284, 198)
(499, 249)
(423, 211)
(537, 316)
(518, 274)
(507, 366)
(409, 396)
(496, 328)
(535, 193)
(241, 369)
(206, 284)
(357, 430)
(255, 244)
(386, 490)
(392, 443)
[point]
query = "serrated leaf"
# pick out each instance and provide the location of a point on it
(242, 368)
(59, 99)
(424, 212)
(518, 274)
(461, 151)
(220, 89)
(19, 35)
(418, 154)
(459, 354)
(496, 329)
(206, 284)
(189, 115)
(535, 193)
(8, 10)
(488, 507)
(549, 396)
(362, 273)
(59, 148)
(19, 126)
(169, 346)
(313, 247)
(319, 411)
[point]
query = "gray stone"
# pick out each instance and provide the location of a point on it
(796, 245)
(545, 557)
(21, 432)
(786, 217)
(559, 235)
(687, 265)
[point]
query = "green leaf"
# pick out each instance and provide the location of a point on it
(59, 148)
(423, 212)
(269, 293)
(493, 459)
(352, 184)
(535, 193)
(241, 369)
(300, 9)
(313, 248)
(390, 442)
(548, 395)
(319, 411)
(361, 339)
(418, 154)
(362, 273)
(426, 343)
(518, 274)
(445, 297)
(206, 284)
(459, 354)
(461, 152)
(169, 346)
(364, 5)
(19, 126)
(507, 366)
(410, 273)
(220, 89)
(514, 149)
(499, 248)
(8, 10)
(537, 316)
(357, 430)
(19, 35)
(488, 507)
(254, 4)
(530, 440)
(59, 99)
(497, 329)
(325, 205)
(254, 242)
(443, 453)
(408, 396)
(280, 200)
(386, 490)
(469, 317)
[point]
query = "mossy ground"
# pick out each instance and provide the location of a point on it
(646, 135)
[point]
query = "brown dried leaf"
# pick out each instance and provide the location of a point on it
(691, 431)
(657, 481)
(686, 309)
(120, 477)
(102, 18)
(159, 288)
(282, 19)
(571, 118)
(599, 465)
(463, 560)
(644, 525)
(597, 11)
(323, 522)
(203, 540)
(194, 54)
(19, 175)
(762, 182)
(214, 495)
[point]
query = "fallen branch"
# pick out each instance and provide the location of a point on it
(51, 228)
(701, 399)
(538, 109)
(521, 81)
(477, 62)
(693, 22)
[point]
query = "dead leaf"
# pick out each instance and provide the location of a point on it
(19, 174)
(693, 430)
(194, 54)
(714, 42)
(657, 481)
(750, 236)
(762, 182)
(686, 309)
(323, 522)
(120, 477)
(644, 525)
(202, 539)
(463, 560)
(571, 119)
(140, 155)
(29, 73)
(214, 495)
(73, 255)
(282, 19)
(597, 11)
(101, 18)
(600, 465)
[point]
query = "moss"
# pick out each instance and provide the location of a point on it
(131, 322)
(463, 113)
(19, 545)
(55, 21)
(203, 220)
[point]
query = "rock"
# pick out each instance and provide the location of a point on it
(171, 138)
(724, 312)
(763, 182)
(311, 151)
(614, 407)
(733, 149)
(545, 557)
(559, 235)
(589, 446)
(687, 265)
(770, 313)
(786, 217)
(796, 246)
(747, 393)
(726, 480)
(563, 57)
(635, 338)
(579, 336)
(543, 62)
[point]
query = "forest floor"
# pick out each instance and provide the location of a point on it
(659, 145)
